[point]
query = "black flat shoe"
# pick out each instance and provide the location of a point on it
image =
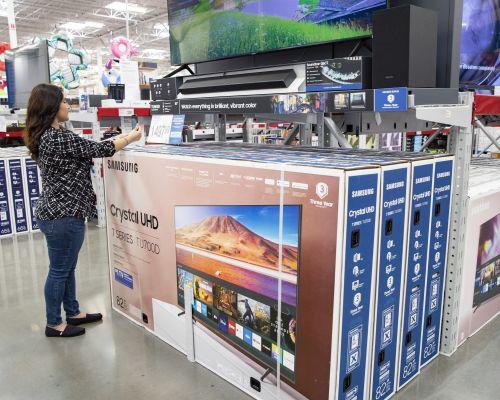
(89, 318)
(69, 331)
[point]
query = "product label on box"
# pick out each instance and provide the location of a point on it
(124, 278)
(358, 265)
(391, 245)
(33, 189)
(17, 192)
(418, 239)
(337, 74)
(440, 212)
(5, 216)
(391, 99)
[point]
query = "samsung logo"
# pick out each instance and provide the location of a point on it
(362, 192)
(394, 185)
(443, 174)
(123, 166)
(423, 179)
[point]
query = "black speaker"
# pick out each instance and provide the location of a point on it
(404, 47)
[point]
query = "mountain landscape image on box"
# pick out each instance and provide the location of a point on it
(248, 234)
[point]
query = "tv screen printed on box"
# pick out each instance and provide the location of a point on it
(487, 282)
(203, 30)
(230, 256)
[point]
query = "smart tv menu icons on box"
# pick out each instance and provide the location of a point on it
(249, 323)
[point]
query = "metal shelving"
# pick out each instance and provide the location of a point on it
(428, 109)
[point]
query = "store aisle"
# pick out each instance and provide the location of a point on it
(118, 360)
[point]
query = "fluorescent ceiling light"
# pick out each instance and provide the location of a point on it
(80, 26)
(121, 6)
(92, 24)
(160, 27)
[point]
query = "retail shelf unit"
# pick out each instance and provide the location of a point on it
(461, 145)
(438, 110)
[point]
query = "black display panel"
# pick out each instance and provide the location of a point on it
(230, 256)
(26, 67)
(203, 30)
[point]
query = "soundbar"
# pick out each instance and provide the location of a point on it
(236, 82)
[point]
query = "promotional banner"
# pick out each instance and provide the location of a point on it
(282, 104)
(258, 245)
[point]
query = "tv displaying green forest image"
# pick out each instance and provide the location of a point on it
(202, 30)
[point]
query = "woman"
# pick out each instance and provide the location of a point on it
(64, 160)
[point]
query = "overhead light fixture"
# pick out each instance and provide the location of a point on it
(74, 26)
(92, 24)
(80, 26)
(160, 26)
(122, 7)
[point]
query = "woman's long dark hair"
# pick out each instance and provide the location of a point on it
(43, 106)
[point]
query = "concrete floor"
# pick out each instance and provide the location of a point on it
(118, 360)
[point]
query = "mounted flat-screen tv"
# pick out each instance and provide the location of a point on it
(480, 54)
(203, 30)
(26, 67)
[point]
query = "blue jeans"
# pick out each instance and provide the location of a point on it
(64, 240)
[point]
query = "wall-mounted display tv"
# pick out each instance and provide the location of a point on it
(480, 54)
(26, 67)
(487, 283)
(230, 256)
(202, 30)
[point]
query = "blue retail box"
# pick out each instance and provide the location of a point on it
(436, 267)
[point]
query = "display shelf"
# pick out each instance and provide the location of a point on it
(306, 102)
(115, 112)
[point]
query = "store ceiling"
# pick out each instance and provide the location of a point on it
(148, 30)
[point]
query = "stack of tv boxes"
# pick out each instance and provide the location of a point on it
(388, 318)
(415, 208)
(20, 187)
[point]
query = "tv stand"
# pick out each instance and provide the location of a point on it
(179, 69)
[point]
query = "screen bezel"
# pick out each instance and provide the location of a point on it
(342, 40)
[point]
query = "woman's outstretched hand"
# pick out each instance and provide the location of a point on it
(135, 134)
